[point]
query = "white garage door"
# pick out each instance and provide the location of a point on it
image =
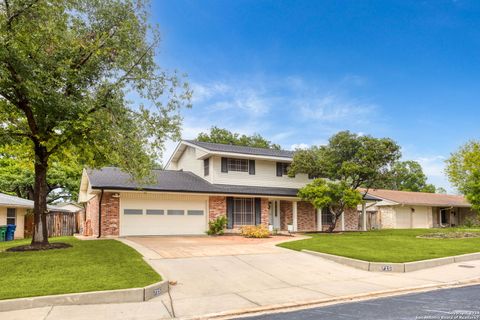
(404, 217)
(162, 217)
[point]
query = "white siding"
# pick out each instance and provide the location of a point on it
(265, 175)
(189, 161)
(19, 231)
(162, 224)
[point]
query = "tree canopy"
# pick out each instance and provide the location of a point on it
(346, 163)
(406, 176)
(17, 175)
(81, 76)
(463, 171)
(219, 135)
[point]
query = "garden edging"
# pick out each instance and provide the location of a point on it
(395, 267)
(95, 297)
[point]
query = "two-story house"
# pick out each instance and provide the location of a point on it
(202, 181)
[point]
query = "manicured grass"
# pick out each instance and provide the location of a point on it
(388, 245)
(87, 266)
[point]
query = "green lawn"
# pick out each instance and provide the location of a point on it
(388, 245)
(87, 266)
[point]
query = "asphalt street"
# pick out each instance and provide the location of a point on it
(447, 304)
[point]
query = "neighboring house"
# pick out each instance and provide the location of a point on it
(402, 209)
(14, 210)
(201, 182)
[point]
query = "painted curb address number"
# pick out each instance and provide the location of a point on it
(387, 268)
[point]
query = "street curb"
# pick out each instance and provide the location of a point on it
(395, 267)
(94, 297)
(288, 307)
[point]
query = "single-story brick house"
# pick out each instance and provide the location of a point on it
(403, 209)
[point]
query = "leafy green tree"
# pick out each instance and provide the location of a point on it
(336, 196)
(347, 162)
(463, 171)
(406, 176)
(69, 72)
(219, 135)
(17, 174)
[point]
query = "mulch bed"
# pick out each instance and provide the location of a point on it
(449, 235)
(50, 246)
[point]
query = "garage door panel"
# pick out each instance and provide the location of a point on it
(165, 217)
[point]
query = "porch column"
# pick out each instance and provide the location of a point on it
(343, 221)
(294, 216)
(364, 217)
(319, 219)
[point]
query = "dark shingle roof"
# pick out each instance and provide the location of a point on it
(218, 147)
(176, 181)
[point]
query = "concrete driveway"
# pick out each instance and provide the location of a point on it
(230, 273)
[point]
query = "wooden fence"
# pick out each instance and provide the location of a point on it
(58, 224)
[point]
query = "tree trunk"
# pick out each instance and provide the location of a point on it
(335, 216)
(40, 232)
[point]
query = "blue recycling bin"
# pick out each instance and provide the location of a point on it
(10, 232)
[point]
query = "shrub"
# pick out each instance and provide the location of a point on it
(470, 222)
(255, 232)
(217, 226)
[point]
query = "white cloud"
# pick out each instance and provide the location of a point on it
(332, 108)
(433, 166)
(299, 146)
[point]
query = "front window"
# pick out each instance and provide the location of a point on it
(11, 216)
(327, 216)
(237, 164)
(244, 211)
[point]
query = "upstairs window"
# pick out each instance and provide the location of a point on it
(237, 165)
(206, 167)
(282, 168)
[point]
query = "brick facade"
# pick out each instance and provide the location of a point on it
(110, 216)
(351, 219)
(265, 212)
(286, 214)
(217, 206)
(306, 216)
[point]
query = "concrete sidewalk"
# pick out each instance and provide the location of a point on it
(274, 277)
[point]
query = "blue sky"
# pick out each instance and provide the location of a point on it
(299, 71)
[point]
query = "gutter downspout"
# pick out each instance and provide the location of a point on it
(100, 215)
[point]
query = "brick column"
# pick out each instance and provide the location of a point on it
(110, 215)
(217, 206)
(265, 212)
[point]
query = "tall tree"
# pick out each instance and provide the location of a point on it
(463, 171)
(219, 135)
(347, 162)
(69, 70)
(406, 176)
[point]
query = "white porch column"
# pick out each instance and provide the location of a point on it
(294, 216)
(343, 221)
(319, 219)
(364, 217)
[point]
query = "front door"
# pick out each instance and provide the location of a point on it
(275, 214)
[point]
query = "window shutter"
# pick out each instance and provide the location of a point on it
(279, 169)
(229, 213)
(258, 211)
(251, 166)
(224, 165)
